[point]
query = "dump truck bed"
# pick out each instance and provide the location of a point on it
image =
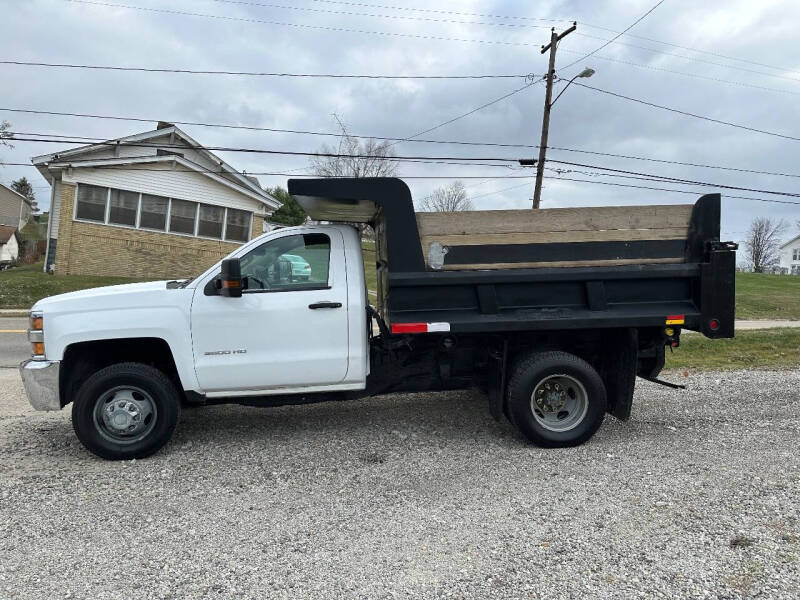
(552, 269)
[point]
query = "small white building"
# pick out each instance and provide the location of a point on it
(790, 256)
(9, 244)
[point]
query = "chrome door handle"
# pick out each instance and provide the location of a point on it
(325, 305)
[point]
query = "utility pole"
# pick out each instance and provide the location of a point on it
(554, 39)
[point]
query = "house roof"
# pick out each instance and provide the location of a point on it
(6, 231)
(71, 158)
(28, 202)
(791, 241)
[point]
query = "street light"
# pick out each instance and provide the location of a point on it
(587, 72)
(537, 190)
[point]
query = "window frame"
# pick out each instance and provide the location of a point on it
(310, 288)
(139, 213)
(136, 210)
(221, 237)
(249, 226)
(194, 222)
(91, 221)
(137, 226)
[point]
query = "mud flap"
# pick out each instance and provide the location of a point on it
(497, 380)
(619, 372)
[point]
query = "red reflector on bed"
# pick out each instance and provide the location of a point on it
(409, 328)
(420, 327)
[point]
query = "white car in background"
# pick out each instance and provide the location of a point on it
(301, 270)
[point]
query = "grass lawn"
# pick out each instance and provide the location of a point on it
(21, 287)
(760, 296)
(778, 348)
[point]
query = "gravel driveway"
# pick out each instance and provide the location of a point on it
(414, 496)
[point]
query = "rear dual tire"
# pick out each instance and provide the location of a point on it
(125, 411)
(555, 399)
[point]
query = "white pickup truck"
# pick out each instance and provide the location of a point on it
(556, 344)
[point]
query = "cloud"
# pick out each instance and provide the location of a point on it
(62, 31)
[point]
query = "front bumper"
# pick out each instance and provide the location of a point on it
(40, 378)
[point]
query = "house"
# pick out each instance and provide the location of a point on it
(15, 209)
(790, 256)
(9, 245)
(152, 205)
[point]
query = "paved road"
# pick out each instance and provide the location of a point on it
(14, 346)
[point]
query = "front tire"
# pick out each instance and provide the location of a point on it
(556, 399)
(125, 411)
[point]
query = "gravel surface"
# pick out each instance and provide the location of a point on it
(414, 496)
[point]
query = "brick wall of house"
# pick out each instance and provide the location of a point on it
(90, 249)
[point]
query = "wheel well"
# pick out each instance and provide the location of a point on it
(611, 352)
(84, 358)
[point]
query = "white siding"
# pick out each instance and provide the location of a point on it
(10, 250)
(787, 256)
(55, 210)
(162, 180)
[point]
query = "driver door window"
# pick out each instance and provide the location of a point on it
(293, 262)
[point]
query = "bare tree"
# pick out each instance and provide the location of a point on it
(763, 241)
(5, 134)
(355, 158)
(450, 198)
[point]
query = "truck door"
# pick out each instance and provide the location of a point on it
(289, 328)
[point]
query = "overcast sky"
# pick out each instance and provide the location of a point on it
(301, 36)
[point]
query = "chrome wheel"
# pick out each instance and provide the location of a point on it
(125, 414)
(559, 403)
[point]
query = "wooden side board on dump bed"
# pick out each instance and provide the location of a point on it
(577, 237)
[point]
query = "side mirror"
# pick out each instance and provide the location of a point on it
(230, 278)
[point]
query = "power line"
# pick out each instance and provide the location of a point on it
(299, 25)
(689, 58)
(112, 143)
(351, 13)
(466, 114)
(437, 177)
(468, 161)
(513, 187)
(437, 11)
(606, 41)
(688, 114)
(645, 187)
(673, 162)
(583, 24)
(677, 179)
(248, 73)
(290, 174)
(383, 138)
(692, 75)
(691, 49)
(623, 32)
